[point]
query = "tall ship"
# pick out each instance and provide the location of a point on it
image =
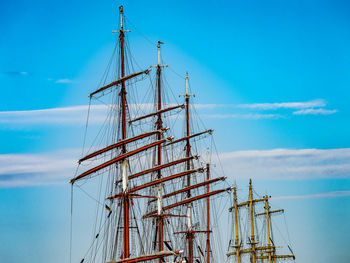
(149, 167)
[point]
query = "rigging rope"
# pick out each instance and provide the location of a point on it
(86, 126)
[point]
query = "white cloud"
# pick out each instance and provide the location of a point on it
(286, 164)
(64, 81)
(98, 113)
(317, 195)
(285, 105)
(251, 116)
(17, 170)
(314, 112)
(14, 73)
(278, 164)
(68, 115)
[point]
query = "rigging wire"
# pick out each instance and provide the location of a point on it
(86, 127)
(90, 196)
(152, 43)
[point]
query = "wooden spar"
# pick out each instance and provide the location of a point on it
(205, 183)
(277, 257)
(190, 200)
(208, 208)
(142, 258)
(159, 167)
(247, 203)
(156, 113)
(120, 143)
(271, 212)
(121, 80)
(189, 137)
(164, 179)
(119, 158)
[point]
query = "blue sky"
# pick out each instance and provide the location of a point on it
(271, 77)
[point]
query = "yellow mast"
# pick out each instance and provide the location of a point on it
(236, 224)
(271, 250)
(268, 228)
(249, 203)
(252, 238)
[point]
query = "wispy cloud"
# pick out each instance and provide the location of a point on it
(317, 195)
(74, 115)
(64, 81)
(278, 164)
(287, 164)
(249, 116)
(17, 170)
(285, 105)
(64, 115)
(15, 73)
(314, 112)
(77, 114)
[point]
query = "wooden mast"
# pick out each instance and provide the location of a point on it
(252, 237)
(237, 246)
(160, 217)
(208, 208)
(190, 234)
(126, 200)
(267, 207)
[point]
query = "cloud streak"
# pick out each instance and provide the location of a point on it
(64, 81)
(77, 114)
(314, 112)
(287, 164)
(331, 194)
(64, 115)
(250, 116)
(18, 170)
(15, 73)
(285, 105)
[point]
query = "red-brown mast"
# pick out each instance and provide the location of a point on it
(190, 235)
(159, 156)
(126, 201)
(208, 209)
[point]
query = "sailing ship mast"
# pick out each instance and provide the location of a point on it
(122, 155)
(125, 183)
(266, 251)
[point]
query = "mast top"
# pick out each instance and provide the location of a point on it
(121, 17)
(158, 62)
(158, 46)
(121, 13)
(187, 95)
